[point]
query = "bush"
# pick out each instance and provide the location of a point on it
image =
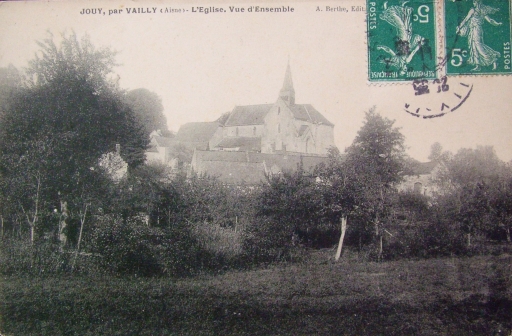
(425, 240)
(132, 247)
(223, 243)
(267, 240)
(19, 256)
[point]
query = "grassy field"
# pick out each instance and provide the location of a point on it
(459, 296)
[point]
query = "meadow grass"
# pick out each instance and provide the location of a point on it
(448, 296)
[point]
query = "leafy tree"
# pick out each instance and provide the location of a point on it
(66, 116)
(339, 192)
(470, 166)
(471, 183)
(474, 208)
(10, 82)
(437, 154)
(375, 161)
(288, 212)
(148, 108)
(291, 199)
(501, 202)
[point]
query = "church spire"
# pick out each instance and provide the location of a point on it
(287, 92)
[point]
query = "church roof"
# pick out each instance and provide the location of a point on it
(307, 112)
(248, 115)
(255, 115)
(196, 131)
(423, 168)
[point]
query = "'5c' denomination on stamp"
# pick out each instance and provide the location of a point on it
(401, 40)
(477, 36)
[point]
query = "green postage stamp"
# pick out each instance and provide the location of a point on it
(401, 40)
(477, 37)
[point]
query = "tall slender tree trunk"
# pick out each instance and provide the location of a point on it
(63, 224)
(32, 223)
(82, 221)
(469, 239)
(507, 230)
(379, 258)
(342, 237)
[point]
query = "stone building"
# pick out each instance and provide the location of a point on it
(421, 180)
(269, 138)
(284, 126)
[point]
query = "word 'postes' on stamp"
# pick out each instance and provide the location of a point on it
(477, 34)
(401, 40)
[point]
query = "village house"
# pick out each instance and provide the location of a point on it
(421, 180)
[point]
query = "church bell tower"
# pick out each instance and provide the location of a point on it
(287, 92)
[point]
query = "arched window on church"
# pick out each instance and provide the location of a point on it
(278, 110)
(236, 131)
(254, 130)
(278, 128)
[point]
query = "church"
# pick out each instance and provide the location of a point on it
(284, 126)
(253, 140)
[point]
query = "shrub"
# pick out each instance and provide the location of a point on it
(19, 256)
(132, 247)
(225, 243)
(268, 240)
(425, 240)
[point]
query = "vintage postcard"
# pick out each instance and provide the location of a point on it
(251, 167)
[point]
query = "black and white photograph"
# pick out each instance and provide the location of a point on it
(246, 167)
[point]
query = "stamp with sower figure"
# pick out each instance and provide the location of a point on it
(401, 40)
(477, 37)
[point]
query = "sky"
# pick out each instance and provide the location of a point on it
(202, 65)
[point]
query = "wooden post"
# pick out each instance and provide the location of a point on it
(82, 220)
(342, 237)
(63, 224)
(380, 248)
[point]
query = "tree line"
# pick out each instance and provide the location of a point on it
(61, 208)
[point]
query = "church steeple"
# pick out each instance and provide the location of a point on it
(287, 92)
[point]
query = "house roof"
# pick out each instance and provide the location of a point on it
(152, 149)
(248, 115)
(196, 132)
(163, 141)
(308, 113)
(249, 167)
(423, 168)
(243, 143)
(223, 118)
